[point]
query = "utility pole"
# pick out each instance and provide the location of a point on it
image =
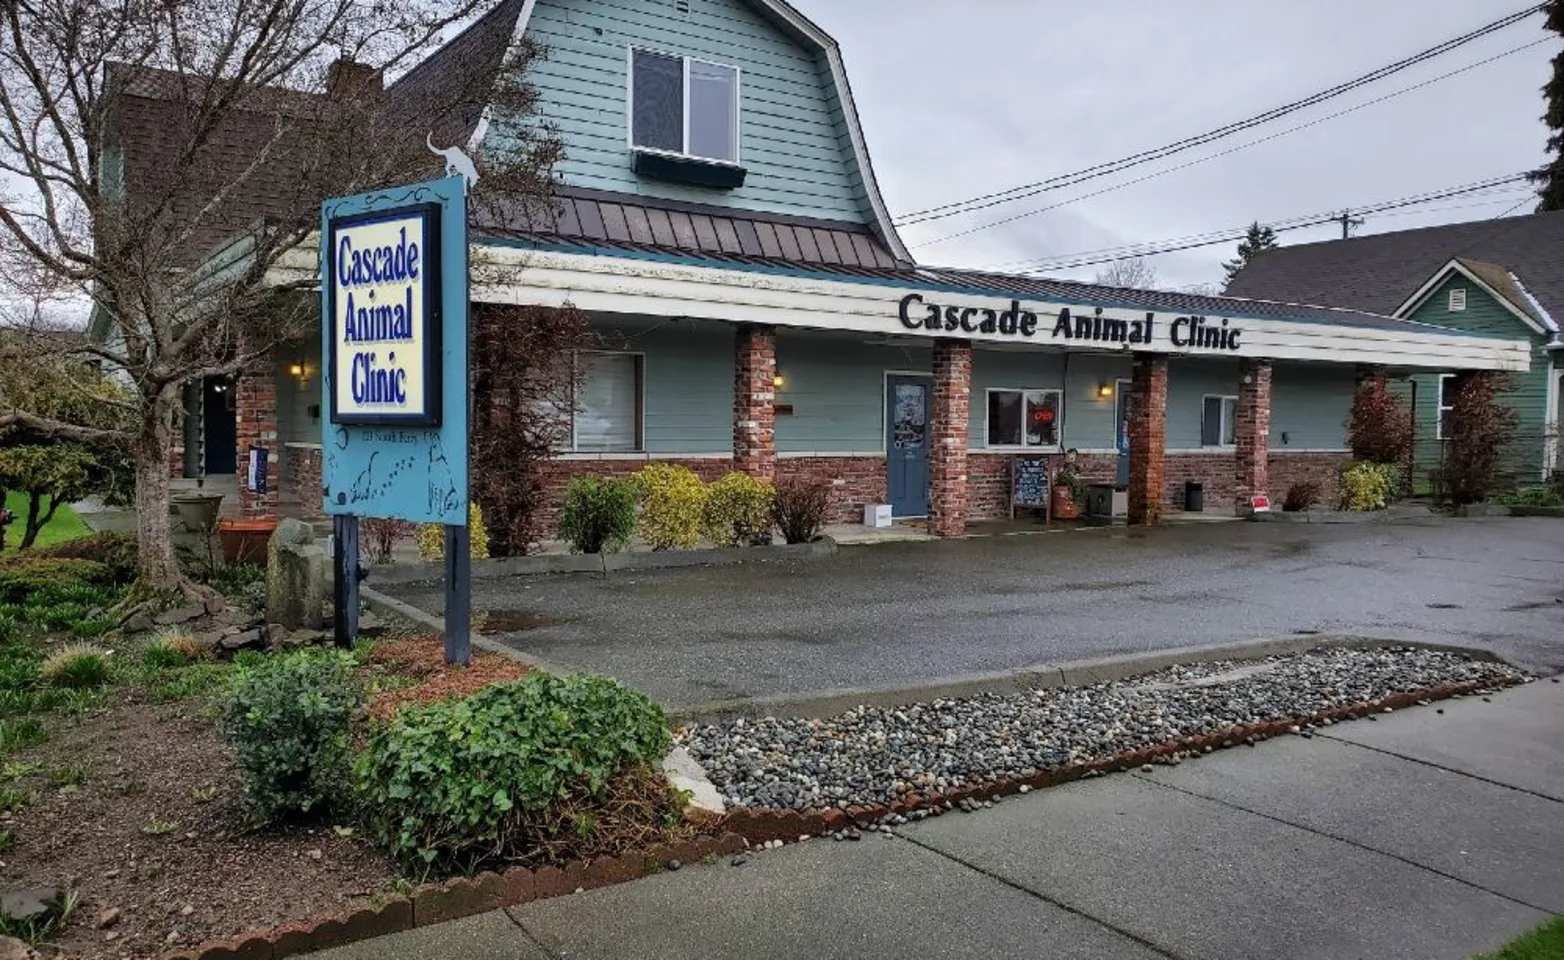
(1347, 223)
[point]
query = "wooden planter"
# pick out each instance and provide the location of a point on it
(244, 541)
(1064, 506)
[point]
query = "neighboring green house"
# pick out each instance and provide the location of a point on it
(1500, 278)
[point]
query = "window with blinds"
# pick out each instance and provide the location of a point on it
(608, 404)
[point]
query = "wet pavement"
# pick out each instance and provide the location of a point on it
(897, 614)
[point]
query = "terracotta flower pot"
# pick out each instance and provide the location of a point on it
(1064, 506)
(244, 541)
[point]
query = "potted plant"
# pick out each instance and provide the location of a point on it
(197, 510)
(244, 541)
(1069, 492)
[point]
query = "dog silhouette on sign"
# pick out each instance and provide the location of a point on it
(457, 163)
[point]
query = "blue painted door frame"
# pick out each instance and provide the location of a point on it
(907, 444)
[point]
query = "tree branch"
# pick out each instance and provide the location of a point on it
(58, 429)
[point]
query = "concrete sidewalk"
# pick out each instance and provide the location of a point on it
(1419, 836)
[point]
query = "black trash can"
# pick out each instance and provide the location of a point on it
(1194, 496)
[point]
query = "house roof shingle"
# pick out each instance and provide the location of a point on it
(1378, 273)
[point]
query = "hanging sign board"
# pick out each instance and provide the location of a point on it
(394, 331)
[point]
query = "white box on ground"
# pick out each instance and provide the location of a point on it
(877, 515)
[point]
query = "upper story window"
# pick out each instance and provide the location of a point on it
(683, 106)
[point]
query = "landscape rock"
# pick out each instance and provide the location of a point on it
(108, 918)
(247, 640)
(169, 618)
(298, 577)
(139, 621)
(370, 626)
(14, 949)
(35, 905)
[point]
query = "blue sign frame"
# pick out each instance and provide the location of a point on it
(393, 468)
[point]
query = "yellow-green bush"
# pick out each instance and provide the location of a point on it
(673, 501)
(430, 538)
(1367, 486)
(738, 511)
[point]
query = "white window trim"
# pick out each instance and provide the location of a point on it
(1023, 446)
(685, 154)
(1221, 427)
(1440, 407)
(640, 401)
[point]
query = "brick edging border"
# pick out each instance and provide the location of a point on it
(468, 896)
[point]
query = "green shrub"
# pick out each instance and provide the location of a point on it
(76, 666)
(1534, 497)
(232, 580)
(23, 577)
(1367, 486)
(672, 502)
(462, 782)
(288, 720)
(738, 511)
(429, 538)
(116, 551)
(598, 515)
(800, 510)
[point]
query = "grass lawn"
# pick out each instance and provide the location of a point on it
(1544, 943)
(66, 525)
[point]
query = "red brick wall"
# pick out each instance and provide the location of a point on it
(988, 479)
(301, 471)
(255, 410)
(1322, 468)
(949, 426)
(754, 401)
(855, 482)
(1148, 416)
(1253, 433)
(1216, 472)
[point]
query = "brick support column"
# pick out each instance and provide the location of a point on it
(1148, 429)
(1253, 429)
(949, 423)
(755, 401)
(255, 410)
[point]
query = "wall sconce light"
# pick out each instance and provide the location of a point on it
(1104, 390)
(296, 371)
(779, 381)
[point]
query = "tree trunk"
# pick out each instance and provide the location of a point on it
(157, 567)
(30, 531)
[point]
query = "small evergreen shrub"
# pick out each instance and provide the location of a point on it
(1301, 496)
(76, 666)
(288, 719)
(430, 538)
(738, 511)
(22, 578)
(673, 500)
(598, 515)
(1367, 486)
(116, 551)
(800, 510)
(463, 782)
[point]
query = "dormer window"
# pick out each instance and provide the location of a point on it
(684, 110)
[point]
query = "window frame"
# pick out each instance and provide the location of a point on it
(1440, 406)
(639, 445)
(1024, 447)
(685, 61)
(1222, 426)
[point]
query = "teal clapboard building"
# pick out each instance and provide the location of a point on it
(718, 219)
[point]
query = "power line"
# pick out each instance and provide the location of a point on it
(1103, 169)
(1505, 186)
(1231, 150)
(1094, 258)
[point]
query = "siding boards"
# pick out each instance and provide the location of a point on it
(1189, 382)
(791, 126)
(688, 383)
(1310, 406)
(1485, 315)
(836, 387)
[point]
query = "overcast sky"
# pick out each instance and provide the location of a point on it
(963, 99)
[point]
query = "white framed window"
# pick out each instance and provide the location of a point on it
(1457, 299)
(1022, 419)
(1446, 405)
(684, 106)
(609, 403)
(1218, 421)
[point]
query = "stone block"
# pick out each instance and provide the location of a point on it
(298, 577)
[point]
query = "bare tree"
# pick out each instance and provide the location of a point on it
(160, 161)
(1135, 274)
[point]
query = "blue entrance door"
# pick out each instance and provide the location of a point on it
(907, 445)
(1121, 416)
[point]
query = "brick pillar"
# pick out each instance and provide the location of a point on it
(1148, 438)
(755, 401)
(255, 411)
(1253, 428)
(949, 423)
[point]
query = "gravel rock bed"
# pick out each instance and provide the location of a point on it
(874, 755)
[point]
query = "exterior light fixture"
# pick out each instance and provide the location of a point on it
(297, 370)
(779, 381)
(1104, 389)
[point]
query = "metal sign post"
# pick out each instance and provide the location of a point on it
(394, 297)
